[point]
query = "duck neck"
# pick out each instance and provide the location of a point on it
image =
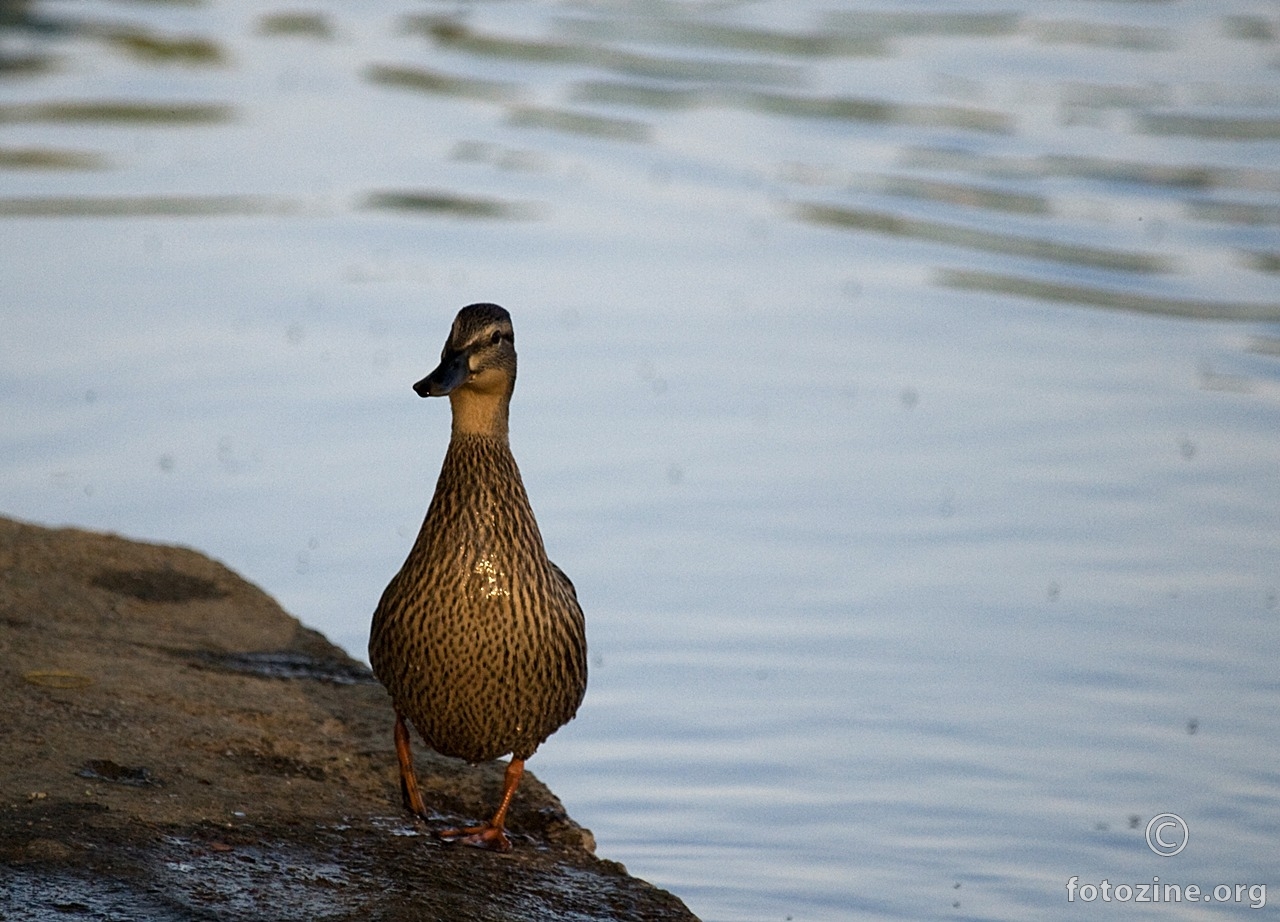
(482, 414)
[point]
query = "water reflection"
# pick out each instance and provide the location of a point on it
(48, 158)
(1102, 34)
(963, 195)
(296, 24)
(17, 64)
(154, 48)
(962, 24)
(881, 222)
(429, 202)
(437, 83)
(674, 30)
(141, 206)
(455, 34)
(1186, 177)
(118, 111)
(847, 108)
(1112, 299)
(27, 17)
(1209, 126)
(612, 93)
(141, 43)
(499, 157)
(838, 108)
(1263, 262)
(1246, 213)
(563, 120)
(1251, 27)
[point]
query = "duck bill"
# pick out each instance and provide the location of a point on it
(451, 373)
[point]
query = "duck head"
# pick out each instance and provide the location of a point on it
(477, 369)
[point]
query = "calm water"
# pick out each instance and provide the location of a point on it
(900, 385)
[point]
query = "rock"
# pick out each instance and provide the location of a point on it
(174, 746)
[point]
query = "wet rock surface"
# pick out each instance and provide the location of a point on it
(174, 746)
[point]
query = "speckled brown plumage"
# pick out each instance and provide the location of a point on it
(479, 639)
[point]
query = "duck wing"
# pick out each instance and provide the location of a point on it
(564, 578)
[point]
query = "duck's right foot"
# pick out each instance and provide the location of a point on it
(410, 793)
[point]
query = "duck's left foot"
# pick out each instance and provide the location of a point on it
(491, 835)
(493, 838)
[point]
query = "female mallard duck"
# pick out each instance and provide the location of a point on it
(479, 638)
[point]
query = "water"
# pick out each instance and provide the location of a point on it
(899, 386)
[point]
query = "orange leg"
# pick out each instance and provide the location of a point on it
(409, 789)
(493, 834)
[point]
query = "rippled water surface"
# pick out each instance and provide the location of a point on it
(900, 385)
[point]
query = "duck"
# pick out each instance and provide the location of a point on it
(479, 639)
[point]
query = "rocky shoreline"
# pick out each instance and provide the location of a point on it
(174, 746)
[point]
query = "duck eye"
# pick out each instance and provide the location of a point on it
(495, 338)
